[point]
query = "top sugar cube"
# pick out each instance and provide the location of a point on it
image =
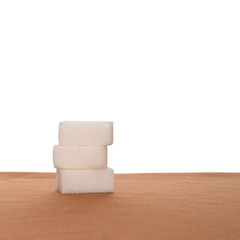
(85, 133)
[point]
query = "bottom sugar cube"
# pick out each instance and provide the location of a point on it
(85, 181)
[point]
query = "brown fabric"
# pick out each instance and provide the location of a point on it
(143, 206)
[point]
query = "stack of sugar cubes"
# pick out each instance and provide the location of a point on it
(81, 157)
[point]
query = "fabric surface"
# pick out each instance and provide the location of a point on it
(178, 206)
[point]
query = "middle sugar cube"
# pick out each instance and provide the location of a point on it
(80, 157)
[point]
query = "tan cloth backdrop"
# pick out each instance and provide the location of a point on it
(143, 206)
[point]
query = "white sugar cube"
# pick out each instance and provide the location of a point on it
(85, 181)
(79, 157)
(85, 133)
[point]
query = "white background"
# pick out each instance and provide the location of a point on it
(166, 72)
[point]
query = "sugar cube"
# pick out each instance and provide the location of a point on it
(79, 157)
(85, 133)
(85, 181)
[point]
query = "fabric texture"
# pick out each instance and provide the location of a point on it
(182, 206)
